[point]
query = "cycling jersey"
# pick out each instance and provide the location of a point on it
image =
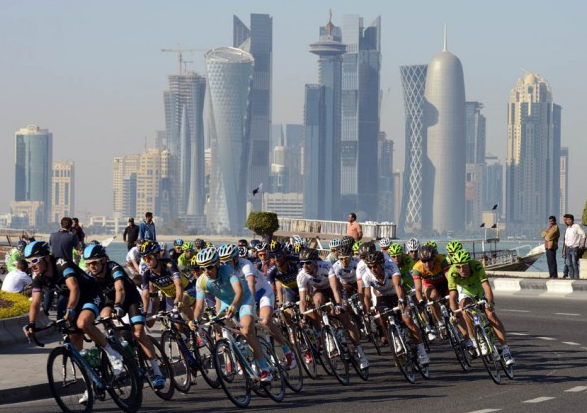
(320, 281)
(434, 276)
(407, 263)
(222, 288)
(165, 280)
(384, 287)
(346, 275)
(287, 276)
(470, 285)
(114, 272)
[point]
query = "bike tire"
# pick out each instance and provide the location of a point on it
(334, 356)
(305, 352)
(373, 335)
(508, 370)
(456, 341)
(178, 361)
(126, 389)
(488, 359)
(205, 358)
(167, 392)
(233, 379)
(275, 389)
(68, 380)
(294, 378)
(402, 358)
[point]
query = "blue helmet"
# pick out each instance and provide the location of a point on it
(178, 242)
(36, 248)
(94, 251)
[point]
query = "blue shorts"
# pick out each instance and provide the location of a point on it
(246, 308)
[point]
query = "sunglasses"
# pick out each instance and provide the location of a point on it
(344, 258)
(371, 266)
(428, 260)
(459, 266)
(307, 262)
(35, 260)
(209, 267)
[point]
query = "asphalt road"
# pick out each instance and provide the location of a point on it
(548, 337)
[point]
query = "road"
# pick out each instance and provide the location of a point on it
(548, 337)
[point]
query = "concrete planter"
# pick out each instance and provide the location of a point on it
(583, 268)
(11, 329)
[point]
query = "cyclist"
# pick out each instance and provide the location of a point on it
(283, 273)
(176, 251)
(346, 272)
(334, 245)
(413, 246)
(83, 294)
(235, 299)
(451, 248)
(199, 244)
(320, 276)
(263, 261)
(12, 257)
(133, 261)
(467, 282)
(183, 261)
(389, 292)
(122, 297)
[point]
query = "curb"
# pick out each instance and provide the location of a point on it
(539, 285)
(11, 329)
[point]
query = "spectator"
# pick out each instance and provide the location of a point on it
(78, 230)
(147, 228)
(131, 234)
(17, 280)
(574, 241)
(64, 241)
(353, 228)
(551, 235)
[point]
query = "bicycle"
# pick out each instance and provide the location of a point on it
(187, 353)
(75, 384)
(237, 369)
(294, 378)
(454, 335)
(365, 322)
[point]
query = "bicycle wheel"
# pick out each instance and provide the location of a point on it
(305, 352)
(403, 360)
(488, 358)
(179, 362)
(458, 345)
(69, 381)
(334, 356)
(275, 389)
(294, 377)
(204, 357)
(166, 393)
(422, 327)
(233, 379)
(126, 389)
(353, 357)
(508, 370)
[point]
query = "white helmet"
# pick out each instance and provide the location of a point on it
(385, 242)
(335, 243)
(413, 244)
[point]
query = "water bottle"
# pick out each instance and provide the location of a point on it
(92, 356)
(129, 349)
(86, 355)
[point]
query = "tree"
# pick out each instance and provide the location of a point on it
(584, 220)
(263, 224)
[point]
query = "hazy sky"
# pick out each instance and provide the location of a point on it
(93, 73)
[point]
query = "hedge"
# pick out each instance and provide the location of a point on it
(13, 304)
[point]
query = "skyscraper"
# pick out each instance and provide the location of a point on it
(33, 165)
(361, 66)
(413, 82)
(564, 180)
(122, 167)
(329, 50)
(493, 184)
(314, 143)
(475, 167)
(62, 193)
(258, 41)
(230, 72)
(444, 120)
(533, 154)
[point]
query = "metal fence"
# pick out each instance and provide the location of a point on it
(373, 230)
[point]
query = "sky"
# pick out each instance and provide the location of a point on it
(93, 72)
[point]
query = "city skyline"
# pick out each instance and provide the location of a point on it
(102, 87)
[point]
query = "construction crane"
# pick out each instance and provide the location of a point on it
(180, 51)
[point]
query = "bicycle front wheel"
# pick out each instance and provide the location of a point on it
(335, 358)
(275, 389)
(69, 382)
(456, 341)
(403, 360)
(294, 378)
(231, 374)
(166, 393)
(204, 357)
(179, 362)
(487, 354)
(305, 352)
(126, 389)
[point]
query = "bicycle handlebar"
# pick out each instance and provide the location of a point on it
(33, 336)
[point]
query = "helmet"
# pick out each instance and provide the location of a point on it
(367, 248)
(413, 244)
(163, 246)
(227, 251)
(345, 251)
(432, 244)
(253, 244)
(275, 247)
(376, 257)
(357, 245)
(36, 248)
(308, 254)
(20, 246)
(178, 242)
(262, 247)
(199, 243)
(395, 249)
(94, 242)
(334, 243)
(193, 263)
(385, 242)
(461, 256)
(94, 252)
(297, 249)
(453, 247)
(427, 252)
(206, 257)
(149, 247)
(242, 251)
(347, 240)
(187, 246)
(139, 242)
(242, 243)
(297, 240)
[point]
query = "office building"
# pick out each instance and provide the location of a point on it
(62, 194)
(123, 166)
(564, 180)
(385, 200)
(475, 166)
(493, 185)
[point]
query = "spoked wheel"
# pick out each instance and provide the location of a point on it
(458, 345)
(488, 359)
(275, 389)
(126, 389)
(178, 361)
(294, 376)
(233, 379)
(335, 358)
(403, 360)
(305, 352)
(373, 333)
(422, 327)
(69, 382)
(166, 393)
(204, 357)
(508, 370)
(354, 359)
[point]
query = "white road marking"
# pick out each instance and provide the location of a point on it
(538, 400)
(518, 334)
(571, 343)
(577, 389)
(485, 411)
(571, 314)
(546, 338)
(514, 311)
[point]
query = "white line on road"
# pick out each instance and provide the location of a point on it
(519, 334)
(485, 411)
(546, 338)
(571, 314)
(538, 400)
(514, 311)
(571, 343)
(577, 389)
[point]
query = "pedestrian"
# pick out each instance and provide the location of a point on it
(551, 236)
(147, 228)
(353, 228)
(574, 240)
(79, 231)
(17, 280)
(64, 241)
(130, 234)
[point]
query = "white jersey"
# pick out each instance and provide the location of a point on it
(385, 287)
(246, 268)
(346, 275)
(321, 281)
(133, 255)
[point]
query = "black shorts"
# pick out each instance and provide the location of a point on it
(290, 295)
(327, 293)
(386, 301)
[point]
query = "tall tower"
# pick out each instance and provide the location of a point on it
(329, 50)
(533, 155)
(413, 82)
(564, 180)
(62, 192)
(230, 73)
(258, 41)
(33, 165)
(123, 167)
(444, 120)
(361, 66)
(475, 157)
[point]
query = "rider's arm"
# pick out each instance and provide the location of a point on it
(488, 292)
(74, 292)
(367, 298)
(397, 284)
(120, 293)
(454, 297)
(35, 305)
(238, 292)
(178, 290)
(334, 285)
(199, 309)
(278, 291)
(418, 287)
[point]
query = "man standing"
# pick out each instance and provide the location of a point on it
(64, 241)
(574, 240)
(131, 234)
(78, 230)
(551, 235)
(147, 228)
(353, 228)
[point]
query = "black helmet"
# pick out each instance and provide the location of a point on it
(263, 246)
(308, 254)
(243, 243)
(199, 243)
(367, 248)
(376, 257)
(347, 241)
(149, 247)
(253, 244)
(94, 251)
(36, 248)
(427, 252)
(275, 247)
(21, 245)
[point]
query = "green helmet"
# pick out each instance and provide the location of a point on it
(432, 244)
(462, 256)
(453, 247)
(357, 245)
(187, 246)
(395, 249)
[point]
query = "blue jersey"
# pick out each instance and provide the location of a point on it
(221, 287)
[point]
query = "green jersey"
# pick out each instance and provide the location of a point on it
(470, 285)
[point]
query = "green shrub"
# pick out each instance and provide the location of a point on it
(13, 304)
(263, 223)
